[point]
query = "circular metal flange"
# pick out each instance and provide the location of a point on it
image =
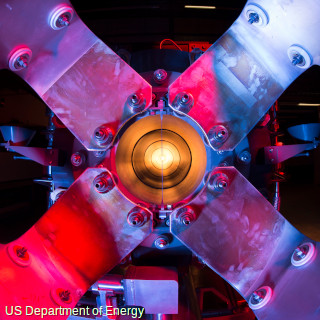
(256, 15)
(19, 254)
(20, 59)
(299, 57)
(260, 298)
(303, 254)
(60, 17)
(61, 297)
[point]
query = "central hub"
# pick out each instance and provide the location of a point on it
(161, 160)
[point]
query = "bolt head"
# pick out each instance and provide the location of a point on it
(253, 17)
(260, 298)
(303, 254)
(162, 242)
(183, 102)
(160, 75)
(103, 136)
(186, 216)
(137, 217)
(103, 183)
(77, 159)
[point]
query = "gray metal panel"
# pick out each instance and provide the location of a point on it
(245, 240)
(239, 77)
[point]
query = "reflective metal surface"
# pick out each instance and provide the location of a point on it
(80, 78)
(240, 76)
(82, 236)
(277, 154)
(244, 239)
(306, 132)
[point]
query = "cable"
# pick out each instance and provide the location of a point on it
(161, 43)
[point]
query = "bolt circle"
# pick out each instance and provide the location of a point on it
(137, 217)
(19, 254)
(103, 183)
(60, 17)
(186, 216)
(303, 254)
(19, 59)
(260, 298)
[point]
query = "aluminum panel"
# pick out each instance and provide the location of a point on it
(245, 240)
(80, 78)
(81, 237)
(240, 76)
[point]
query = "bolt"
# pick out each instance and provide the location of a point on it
(183, 102)
(65, 295)
(253, 18)
(77, 159)
(298, 59)
(21, 252)
(136, 102)
(257, 297)
(218, 135)
(218, 182)
(21, 62)
(137, 217)
(103, 136)
(99, 154)
(300, 252)
(162, 242)
(103, 183)
(60, 17)
(245, 157)
(186, 216)
(160, 75)
(63, 21)
(260, 297)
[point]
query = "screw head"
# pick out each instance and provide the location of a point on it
(137, 217)
(103, 183)
(256, 15)
(60, 17)
(162, 242)
(218, 182)
(160, 75)
(299, 57)
(218, 135)
(253, 18)
(183, 102)
(303, 254)
(260, 298)
(103, 136)
(77, 159)
(19, 254)
(62, 297)
(136, 102)
(20, 58)
(245, 157)
(186, 216)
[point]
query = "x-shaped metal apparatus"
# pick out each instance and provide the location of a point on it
(226, 91)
